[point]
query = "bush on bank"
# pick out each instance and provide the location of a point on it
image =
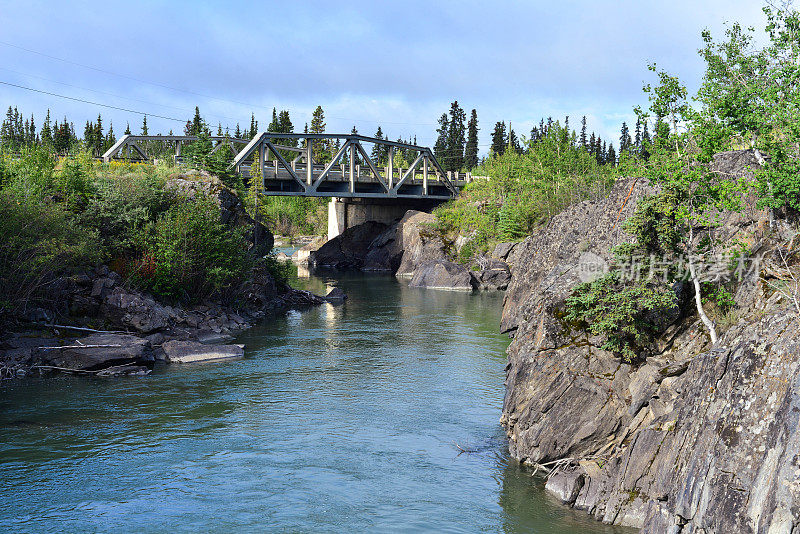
(63, 215)
(524, 190)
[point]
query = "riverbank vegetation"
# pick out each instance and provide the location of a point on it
(64, 215)
(748, 99)
(524, 188)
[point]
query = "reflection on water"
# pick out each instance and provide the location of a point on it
(341, 418)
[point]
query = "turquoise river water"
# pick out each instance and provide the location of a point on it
(379, 415)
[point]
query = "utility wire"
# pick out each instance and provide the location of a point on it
(128, 110)
(170, 88)
(92, 103)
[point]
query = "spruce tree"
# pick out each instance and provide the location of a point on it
(513, 141)
(377, 150)
(144, 126)
(456, 138)
(253, 126)
(237, 133)
(612, 155)
(357, 159)
(440, 147)
(499, 139)
(110, 137)
(127, 128)
(625, 141)
(197, 124)
(274, 125)
(320, 147)
(47, 133)
(583, 131)
(471, 149)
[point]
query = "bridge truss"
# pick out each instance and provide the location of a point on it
(359, 177)
(147, 147)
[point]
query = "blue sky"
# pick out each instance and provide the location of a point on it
(394, 64)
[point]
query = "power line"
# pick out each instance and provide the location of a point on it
(170, 88)
(92, 103)
(118, 108)
(105, 92)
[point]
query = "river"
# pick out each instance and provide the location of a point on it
(378, 415)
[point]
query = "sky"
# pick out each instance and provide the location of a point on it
(397, 65)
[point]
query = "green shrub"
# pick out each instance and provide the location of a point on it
(199, 155)
(190, 254)
(32, 175)
(76, 180)
(281, 271)
(124, 206)
(294, 215)
(38, 241)
(624, 313)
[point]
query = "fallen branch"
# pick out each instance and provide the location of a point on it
(84, 329)
(80, 346)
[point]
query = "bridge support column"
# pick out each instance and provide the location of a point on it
(344, 213)
(337, 217)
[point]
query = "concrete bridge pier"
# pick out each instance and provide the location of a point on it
(344, 213)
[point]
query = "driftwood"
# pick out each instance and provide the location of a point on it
(80, 346)
(81, 329)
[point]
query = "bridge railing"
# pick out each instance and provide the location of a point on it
(360, 176)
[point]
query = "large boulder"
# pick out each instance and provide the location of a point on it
(406, 244)
(192, 351)
(231, 208)
(133, 310)
(442, 275)
(95, 352)
(302, 254)
(347, 250)
(491, 273)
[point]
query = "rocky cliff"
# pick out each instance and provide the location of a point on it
(695, 438)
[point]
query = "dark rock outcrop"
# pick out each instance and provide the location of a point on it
(442, 275)
(492, 273)
(405, 245)
(336, 295)
(347, 250)
(546, 265)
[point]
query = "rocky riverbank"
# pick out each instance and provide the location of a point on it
(695, 438)
(100, 324)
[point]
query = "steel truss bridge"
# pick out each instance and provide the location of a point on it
(293, 171)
